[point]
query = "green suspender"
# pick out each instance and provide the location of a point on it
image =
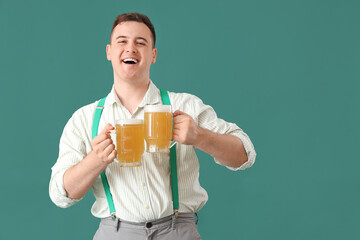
(174, 183)
(174, 180)
(95, 127)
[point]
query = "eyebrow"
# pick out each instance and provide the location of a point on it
(141, 38)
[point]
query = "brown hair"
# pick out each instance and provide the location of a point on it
(136, 17)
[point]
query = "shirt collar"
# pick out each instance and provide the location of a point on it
(151, 97)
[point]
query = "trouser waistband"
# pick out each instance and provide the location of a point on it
(160, 223)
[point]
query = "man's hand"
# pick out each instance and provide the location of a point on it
(103, 147)
(185, 128)
(79, 178)
(225, 148)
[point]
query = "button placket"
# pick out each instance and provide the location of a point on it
(145, 191)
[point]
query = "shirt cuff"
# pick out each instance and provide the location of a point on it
(57, 191)
(249, 149)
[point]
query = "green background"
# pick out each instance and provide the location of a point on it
(287, 72)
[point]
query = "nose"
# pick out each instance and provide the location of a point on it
(131, 48)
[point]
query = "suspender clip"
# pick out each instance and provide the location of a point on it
(176, 213)
(113, 216)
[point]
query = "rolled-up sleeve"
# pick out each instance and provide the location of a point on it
(207, 118)
(72, 150)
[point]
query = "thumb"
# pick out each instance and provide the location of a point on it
(177, 113)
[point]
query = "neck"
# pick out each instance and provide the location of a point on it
(131, 92)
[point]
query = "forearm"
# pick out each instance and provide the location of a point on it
(226, 149)
(79, 179)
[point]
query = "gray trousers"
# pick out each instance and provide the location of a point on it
(169, 228)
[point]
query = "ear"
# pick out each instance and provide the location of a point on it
(154, 55)
(108, 55)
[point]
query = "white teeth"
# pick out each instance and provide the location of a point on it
(130, 60)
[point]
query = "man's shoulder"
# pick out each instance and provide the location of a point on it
(183, 97)
(186, 102)
(82, 118)
(86, 110)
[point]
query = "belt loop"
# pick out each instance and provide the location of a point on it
(197, 218)
(118, 225)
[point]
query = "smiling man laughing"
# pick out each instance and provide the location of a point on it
(152, 201)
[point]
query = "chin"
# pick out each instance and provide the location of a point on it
(130, 77)
(127, 75)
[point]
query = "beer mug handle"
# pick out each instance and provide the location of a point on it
(113, 138)
(172, 143)
(113, 135)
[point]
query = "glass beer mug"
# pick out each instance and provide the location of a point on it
(129, 141)
(158, 128)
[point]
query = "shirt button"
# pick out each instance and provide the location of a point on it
(147, 207)
(143, 184)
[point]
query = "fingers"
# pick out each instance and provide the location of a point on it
(181, 118)
(175, 136)
(179, 137)
(107, 128)
(178, 112)
(110, 152)
(112, 156)
(184, 128)
(104, 134)
(104, 144)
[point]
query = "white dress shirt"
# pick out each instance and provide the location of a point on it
(142, 193)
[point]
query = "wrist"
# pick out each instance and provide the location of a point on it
(201, 136)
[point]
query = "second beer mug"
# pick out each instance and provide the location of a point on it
(129, 141)
(158, 128)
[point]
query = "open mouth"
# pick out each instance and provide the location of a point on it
(130, 61)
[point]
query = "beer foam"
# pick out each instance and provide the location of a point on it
(129, 121)
(158, 108)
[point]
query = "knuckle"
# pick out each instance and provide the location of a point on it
(103, 136)
(96, 150)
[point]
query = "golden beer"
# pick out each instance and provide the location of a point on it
(158, 131)
(130, 143)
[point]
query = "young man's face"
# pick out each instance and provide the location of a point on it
(131, 51)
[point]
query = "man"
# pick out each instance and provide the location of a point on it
(142, 196)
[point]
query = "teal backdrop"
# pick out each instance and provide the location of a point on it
(285, 71)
